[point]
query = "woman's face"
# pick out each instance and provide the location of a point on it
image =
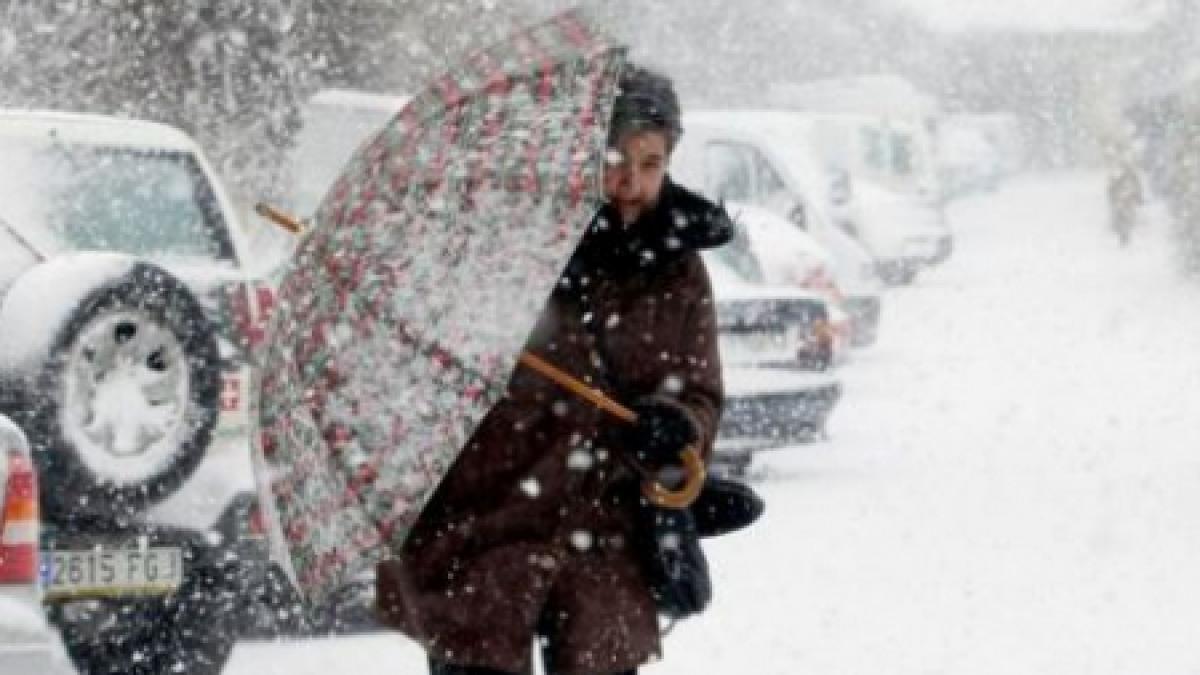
(634, 174)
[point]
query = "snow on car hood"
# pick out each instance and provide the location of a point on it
(729, 287)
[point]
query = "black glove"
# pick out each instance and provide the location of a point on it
(662, 432)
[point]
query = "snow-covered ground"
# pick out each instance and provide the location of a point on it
(1012, 487)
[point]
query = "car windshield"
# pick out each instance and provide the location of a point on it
(87, 197)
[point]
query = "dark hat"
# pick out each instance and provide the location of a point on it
(646, 101)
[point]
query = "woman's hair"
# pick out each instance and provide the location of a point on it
(646, 101)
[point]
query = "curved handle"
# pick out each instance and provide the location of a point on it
(682, 498)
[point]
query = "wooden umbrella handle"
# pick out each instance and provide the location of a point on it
(654, 491)
(682, 498)
(278, 217)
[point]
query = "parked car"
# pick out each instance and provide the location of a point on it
(908, 224)
(127, 323)
(784, 255)
(776, 354)
(967, 162)
(27, 643)
(892, 161)
(774, 166)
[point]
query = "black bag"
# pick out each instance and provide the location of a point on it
(725, 506)
(669, 543)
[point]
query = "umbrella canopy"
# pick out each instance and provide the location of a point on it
(404, 308)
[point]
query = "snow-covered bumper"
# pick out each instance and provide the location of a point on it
(771, 408)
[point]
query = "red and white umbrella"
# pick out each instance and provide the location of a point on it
(404, 308)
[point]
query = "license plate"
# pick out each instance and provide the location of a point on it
(107, 572)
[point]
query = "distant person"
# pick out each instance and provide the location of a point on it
(1125, 199)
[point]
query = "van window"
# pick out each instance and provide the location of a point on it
(729, 171)
(874, 149)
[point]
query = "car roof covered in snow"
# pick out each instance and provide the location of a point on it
(93, 129)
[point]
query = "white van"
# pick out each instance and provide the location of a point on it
(755, 158)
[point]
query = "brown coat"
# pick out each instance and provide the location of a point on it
(529, 533)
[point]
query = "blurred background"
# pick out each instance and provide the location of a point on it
(1083, 81)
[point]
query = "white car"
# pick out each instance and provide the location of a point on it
(770, 250)
(968, 162)
(27, 643)
(758, 158)
(907, 224)
(127, 326)
(775, 346)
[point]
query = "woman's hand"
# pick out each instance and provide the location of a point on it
(662, 432)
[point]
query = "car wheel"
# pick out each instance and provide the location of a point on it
(124, 407)
(191, 631)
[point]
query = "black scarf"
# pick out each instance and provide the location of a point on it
(681, 222)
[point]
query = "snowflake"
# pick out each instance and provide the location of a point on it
(582, 540)
(531, 487)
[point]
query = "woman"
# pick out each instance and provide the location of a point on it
(530, 533)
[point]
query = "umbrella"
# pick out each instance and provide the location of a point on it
(403, 310)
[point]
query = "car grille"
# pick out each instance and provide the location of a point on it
(786, 417)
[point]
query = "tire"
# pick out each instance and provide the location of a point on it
(142, 340)
(190, 631)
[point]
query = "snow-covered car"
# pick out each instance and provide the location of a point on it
(776, 348)
(909, 225)
(889, 161)
(27, 643)
(967, 162)
(127, 321)
(763, 157)
(768, 249)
